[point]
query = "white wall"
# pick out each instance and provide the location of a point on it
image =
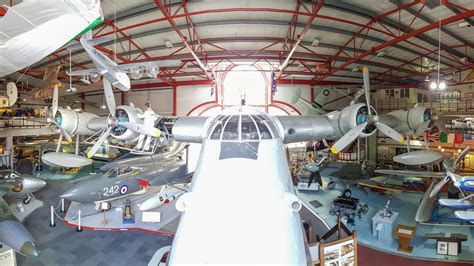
(190, 96)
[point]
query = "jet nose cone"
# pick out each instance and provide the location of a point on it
(29, 249)
(71, 194)
(32, 183)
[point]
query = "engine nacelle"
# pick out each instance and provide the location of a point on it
(75, 123)
(125, 113)
(152, 72)
(94, 77)
(136, 73)
(351, 117)
(407, 120)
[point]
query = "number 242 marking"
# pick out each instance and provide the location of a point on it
(110, 191)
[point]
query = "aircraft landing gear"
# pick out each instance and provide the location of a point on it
(27, 199)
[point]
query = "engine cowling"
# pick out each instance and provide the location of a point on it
(94, 77)
(409, 120)
(152, 72)
(351, 117)
(75, 123)
(125, 113)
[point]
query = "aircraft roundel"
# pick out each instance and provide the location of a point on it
(123, 190)
(326, 92)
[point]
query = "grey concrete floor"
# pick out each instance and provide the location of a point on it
(62, 245)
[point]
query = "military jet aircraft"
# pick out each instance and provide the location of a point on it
(127, 179)
(12, 233)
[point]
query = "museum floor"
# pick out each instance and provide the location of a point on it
(62, 245)
(406, 205)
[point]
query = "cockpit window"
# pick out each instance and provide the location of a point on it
(231, 129)
(217, 126)
(126, 170)
(249, 130)
(242, 127)
(112, 173)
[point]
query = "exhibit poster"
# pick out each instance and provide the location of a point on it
(340, 253)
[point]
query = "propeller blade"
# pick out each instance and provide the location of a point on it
(66, 135)
(422, 128)
(454, 177)
(109, 97)
(63, 132)
(99, 143)
(461, 156)
(348, 138)
(438, 187)
(54, 103)
(58, 147)
(141, 128)
(365, 73)
(389, 132)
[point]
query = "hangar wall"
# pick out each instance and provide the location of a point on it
(189, 97)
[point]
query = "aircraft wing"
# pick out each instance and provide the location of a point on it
(149, 64)
(83, 72)
(23, 26)
(411, 173)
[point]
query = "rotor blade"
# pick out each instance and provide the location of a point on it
(99, 142)
(348, 138)
(438, 187)
(141, 128)
(365, 73)
(461, 156)
(109, 97)
(389, 132)
(54, 103)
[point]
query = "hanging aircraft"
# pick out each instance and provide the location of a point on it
(129, 178)
(15, 186)
(29, 35)
(242, 148)
(114, 74)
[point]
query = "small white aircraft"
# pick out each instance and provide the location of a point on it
(114, 74)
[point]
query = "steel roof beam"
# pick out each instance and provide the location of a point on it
(357, 10)
(429, 21)
(166, 13)
(256, 22)
(315, 10)
(401, 38)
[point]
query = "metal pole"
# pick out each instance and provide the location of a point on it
(79, 227)
(358, 150)
(77, 144)
(62, 205)
(52, 223)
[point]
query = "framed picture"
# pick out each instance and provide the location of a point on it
(442, 248)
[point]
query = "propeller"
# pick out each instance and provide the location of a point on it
(450, 167)
(439, 186)
(109, 97)
(371, 119)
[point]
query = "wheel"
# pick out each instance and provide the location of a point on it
(347, 193)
